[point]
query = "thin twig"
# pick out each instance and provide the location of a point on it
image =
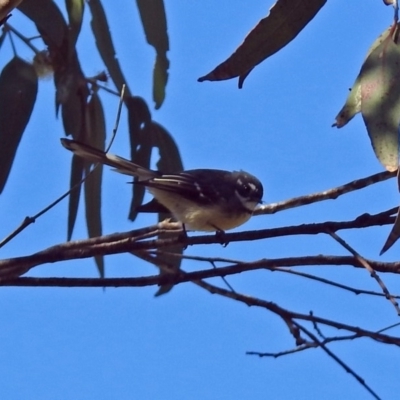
(224, 279)
(22, 38)
(316, 327)
(118, 117)
(369, 268)
(338, 360)
(286, 314)
(330, 282)
(329, 194)
(278, 354)
(30, 220)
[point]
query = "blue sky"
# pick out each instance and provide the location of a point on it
(124, 343)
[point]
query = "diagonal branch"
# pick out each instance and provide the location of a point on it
(330, 194)
(369, 268)
(291, 315)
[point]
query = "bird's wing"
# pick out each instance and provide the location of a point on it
(193, 185)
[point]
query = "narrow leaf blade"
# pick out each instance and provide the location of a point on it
(18, 90)
(77, 170)
(139, 118)
(96, 135)
(286, 20)
(170, 161)
(152, 14)
(393, 235)
(105, 44)
(48, 19)
(75, 9)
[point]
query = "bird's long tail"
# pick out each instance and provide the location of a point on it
(121, 165)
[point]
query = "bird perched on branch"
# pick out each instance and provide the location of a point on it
(202, 199)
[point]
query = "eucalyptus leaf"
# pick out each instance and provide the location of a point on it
(152, 14)
(105, 45)
(353, 101)
(287, 18)
(96, 135)
(380, 101)
(75, 9)
(139, 118)
(18, 90)
(48, 19)
(77, 170)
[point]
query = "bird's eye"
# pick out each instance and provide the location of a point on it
(244, 190)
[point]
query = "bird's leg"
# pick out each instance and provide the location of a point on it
(183, 236)
(221, 236)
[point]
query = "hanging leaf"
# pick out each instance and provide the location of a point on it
(71, 86)
(170, 158)
(152, 14)
(75, 10)
(18, 90)
(96, 136)
(72, 93)
(105, 45)
(353, 102)
(393, 235)
(72, 114)
(160, 78)
(380, 101)
(48, 19)
(285, 21)
(351, 107)
(139, 118)
(77, 170)
(170, 161)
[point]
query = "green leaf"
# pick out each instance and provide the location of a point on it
(170, 161)
(380, 101)
(75, 9)
(170, 158)
(152, 14)
(73, 116)
(351, 107)
(160, 78)
(353, 101)
(72, 93)
(105, 45)
(48, 19)
(71, 87)
(393, 235)
(18, 90)
(286, 20)
(96, 135)
(145, 135)
(77, 170)
(139, 119)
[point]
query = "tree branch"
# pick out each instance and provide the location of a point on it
(134, 241)
(330, 194)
